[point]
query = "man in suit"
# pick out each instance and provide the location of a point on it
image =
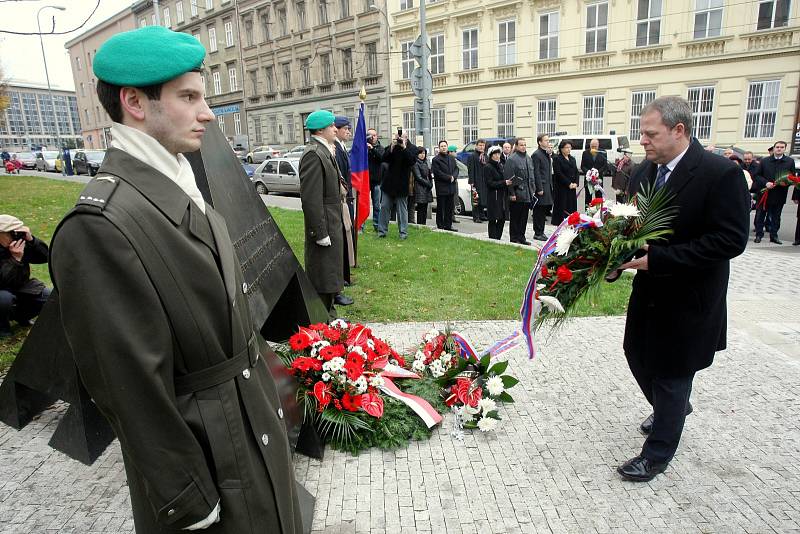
(519, 169)
(170, 355)
(543, 178)
(677, 314)
(772, 168)
(593, 159)
(344, 134)
(445, 176)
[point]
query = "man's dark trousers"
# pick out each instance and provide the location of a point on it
(20, 307)
(444, 212)
(669, 397)
(539, 216)
(768, 218)
(518, 220)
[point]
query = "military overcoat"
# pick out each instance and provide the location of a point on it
(155, 312)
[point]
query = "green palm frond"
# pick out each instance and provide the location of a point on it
(341, 427)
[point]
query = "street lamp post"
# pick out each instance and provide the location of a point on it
(374, 7)
(47, 74)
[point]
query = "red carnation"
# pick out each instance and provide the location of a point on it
(545, 272)
(564, 274)
(354, 369)
(596, 202)
(351, 403)
(574, 219)
(331, 351)
(332, 334)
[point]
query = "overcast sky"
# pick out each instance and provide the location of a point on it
(21, 55)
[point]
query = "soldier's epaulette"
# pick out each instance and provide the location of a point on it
(98, 191)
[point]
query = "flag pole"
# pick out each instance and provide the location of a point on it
(362, 95)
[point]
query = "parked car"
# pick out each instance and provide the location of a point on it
(87, 161)
(28, 159)
(612, 145)
(248, 170)
(295, 152)
(263, 153)
(46, 160)
(240, 151)
(463, 203)
(466, 152)
(277, 175)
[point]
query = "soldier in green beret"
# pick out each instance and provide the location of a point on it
(169, 354)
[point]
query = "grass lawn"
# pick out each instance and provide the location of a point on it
(430, 276)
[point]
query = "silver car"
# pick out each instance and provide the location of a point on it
(262, 153)
(46, 160)
(295, 152)
(277, 175)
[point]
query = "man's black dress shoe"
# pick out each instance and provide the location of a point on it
(641, 469)
(796, 243)
(647, 425)
(342, 300)
(757, 239)
(775, 240)
(524, 242)
(540, 237)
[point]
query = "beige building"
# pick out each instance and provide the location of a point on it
(300, 56)
(29, 121)
(94, 120)
(523, 67)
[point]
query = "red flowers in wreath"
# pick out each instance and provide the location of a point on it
(464, 392)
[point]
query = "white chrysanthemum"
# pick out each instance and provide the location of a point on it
(318, 346)
(418, 366)
(495, 386)
(419, 355)
(565, 239)
(376, 381)
(339, 323)
(623, 210)
(487, 424)
(326, 377)
(358, 350)
(436, 368)
(552, 303)
(446, 358)
(334, 365)
(430, 335)
(487, 405)
(360, 384)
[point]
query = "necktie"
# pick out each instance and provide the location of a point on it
(661, 178)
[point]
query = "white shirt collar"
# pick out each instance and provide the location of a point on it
(325, 142)
(146, 149)
(674, 163)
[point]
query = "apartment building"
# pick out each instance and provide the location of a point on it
(95, 121)
(30, 121)
(301, 56)
(524, 67)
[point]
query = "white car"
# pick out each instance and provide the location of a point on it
(278, 175)
(263, 153)
(46, 160)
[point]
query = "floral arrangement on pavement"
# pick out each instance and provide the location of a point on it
(436, 355)
(346, 388)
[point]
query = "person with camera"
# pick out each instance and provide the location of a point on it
(400, 157)
(21, 297)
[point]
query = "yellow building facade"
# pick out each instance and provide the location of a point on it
(523, 67)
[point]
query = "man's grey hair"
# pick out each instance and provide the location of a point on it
(674, 110)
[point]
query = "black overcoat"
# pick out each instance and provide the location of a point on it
(395, 179)
(143, 310)
(769, 170)
(423, 182)
(497, 197)
(443, 167)
(565, 172)
(543, 172)
(475, 174)
(677, 312)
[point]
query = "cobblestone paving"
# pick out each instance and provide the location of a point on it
(549, 468)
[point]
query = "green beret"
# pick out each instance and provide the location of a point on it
(320, 119)
(452, 148)
(147, 56)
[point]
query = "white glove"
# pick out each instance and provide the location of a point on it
(325, 242)
(212, 518)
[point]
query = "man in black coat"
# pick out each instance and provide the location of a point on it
(772, 168)
(543, 178)
(375, 156)
(593, 158)
(475, 166)
(677, 313)
(519, 169)
(400, 157)
(445, 177)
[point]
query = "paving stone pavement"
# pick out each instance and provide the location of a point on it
(549, 468)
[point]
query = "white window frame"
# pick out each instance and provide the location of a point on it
(410, 125)
(438, 124)
(594, 107)
(322, 11)
(217, 80)
(596, 33)
(762, 109)
(546, 116)
(708, 12)
(302, 15)
(209, 4)
(232, 82)
(237, 124)
(179, 12)
(406, 60)
(212, 39)
(639, 99)
(193, 7)
(221, 122)
(166, 17)
(701, 100)
(648, 20)
(469, 124)
(406, 4)
(228, 33)
(774, 4)
(469, 48)
(506, 49)
(505, 119)
(437, 54)
(548, 42)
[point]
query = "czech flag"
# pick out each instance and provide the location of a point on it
(359, 170)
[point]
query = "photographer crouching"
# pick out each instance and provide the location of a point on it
(21, 297)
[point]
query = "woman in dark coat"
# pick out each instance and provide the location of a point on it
(497, 193)
(423, 185)
(565, 183)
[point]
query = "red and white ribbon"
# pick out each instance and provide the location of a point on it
(420, 406)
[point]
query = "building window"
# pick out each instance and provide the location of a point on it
(83, 89)
(237, 124)
(639, 99)
(323, 11)
(282, 22)
(762, 109)
(469, 49)
(507, 42)
(179, 11)
(648, 23)
(217, 82)
(264, 32)
(372, 114)
(289, 127)
(248, 32)
(228, 33)
(269, 79)
(287, 76)
(548, 36)
(257, 129)
(469, 124)
(165, 17)
(305, 72)
(253, 82)
(212, 39)
(773, 14)
(196, 35)
(78, 63)
(410, 125)
(438, 124)
(505, 119)
(707, 18)
(546, 116)
(193, 7)
(142, 22)
(372, 59)
(437, 54)
(203, 82)
(325, 61)
(209, 4)
(301, 15)
(344, 9)
(406, 4)
(347, 63)
(701, 99)
(597, 27)
(406, 60)
(221, 123)
(593, 108)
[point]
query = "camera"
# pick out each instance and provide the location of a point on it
(16, 236)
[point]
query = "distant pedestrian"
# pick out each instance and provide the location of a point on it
(507, 150)
(622, 176)
(565, 179)
(519, 169)
(543, 171)
(772, 168)
(497, 197)
(445, 175)
(423, 186)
